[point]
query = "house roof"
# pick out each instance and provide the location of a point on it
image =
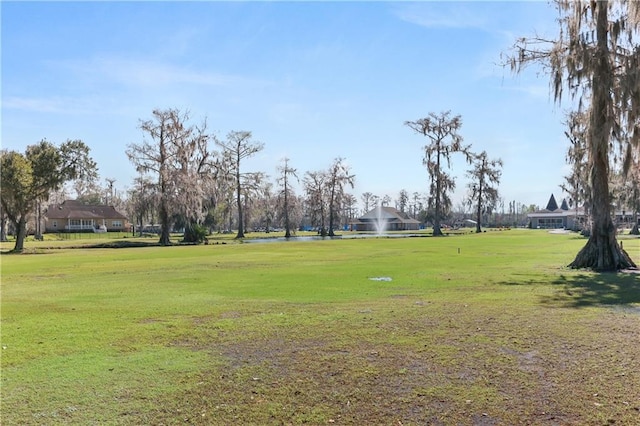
(72, 209)
(552, 205)
(552, 208)
(556, 213)
(387, 214)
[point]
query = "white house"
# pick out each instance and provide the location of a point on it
(554, 217)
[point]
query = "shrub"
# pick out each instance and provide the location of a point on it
(195, 233)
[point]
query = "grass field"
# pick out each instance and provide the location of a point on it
(472, 329)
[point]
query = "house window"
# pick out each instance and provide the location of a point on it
(80, 224)
(116, 223)
(550, 223)
(55, 223)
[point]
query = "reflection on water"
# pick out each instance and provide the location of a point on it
(337, 237)
(280, 239)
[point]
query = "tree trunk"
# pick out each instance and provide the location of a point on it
(331, 233)
(164, 225)
(38, 220)
(332, 207)
(634, 229)
(287, 231)
(323, 229)
(3, 229)
(437, 232)
(239, 202)
(164, 189)
(602, 252)
(479, 212)
(21, 233)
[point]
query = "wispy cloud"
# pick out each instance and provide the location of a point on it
(84, 105)
(32, 104)
(148, 73)
(442, 15)
(491, 18)
(114, 85)
(538, 91)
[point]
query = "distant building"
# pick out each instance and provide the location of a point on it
(554, 217)
(73, 216)
(391, 219)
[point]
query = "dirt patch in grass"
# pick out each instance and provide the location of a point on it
(433, 364)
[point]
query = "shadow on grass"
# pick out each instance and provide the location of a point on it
(122, 244)
(595, 289)
(108, 244)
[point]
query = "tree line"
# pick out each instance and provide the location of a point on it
(594, 59)
(191, 179)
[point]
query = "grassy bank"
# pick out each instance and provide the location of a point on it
(473, 329)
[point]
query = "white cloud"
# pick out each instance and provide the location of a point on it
(507, 20)
(434, 15)
(31, 104)
(538, 91)
(147, 73)
(56, 105)
(97, 104)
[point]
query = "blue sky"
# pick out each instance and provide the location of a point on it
(312, 80)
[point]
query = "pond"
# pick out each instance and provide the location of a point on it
(337, 237)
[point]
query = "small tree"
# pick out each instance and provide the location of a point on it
(255, 188)
(173, 151)
(219, 194)
(443, 133)
(350, 206)
(367, 201)
(337, 178)
(417, 205)
(269, 212)
(29, 178)
(316, 195)
(192, 173)
(485, 176)
(577, 182)
(630, 192)
(286, 193)
(403, 200)
(236, 148)
(142, 202)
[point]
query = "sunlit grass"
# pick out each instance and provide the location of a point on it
(294, 332)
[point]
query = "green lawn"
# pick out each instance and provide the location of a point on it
(472, 329)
